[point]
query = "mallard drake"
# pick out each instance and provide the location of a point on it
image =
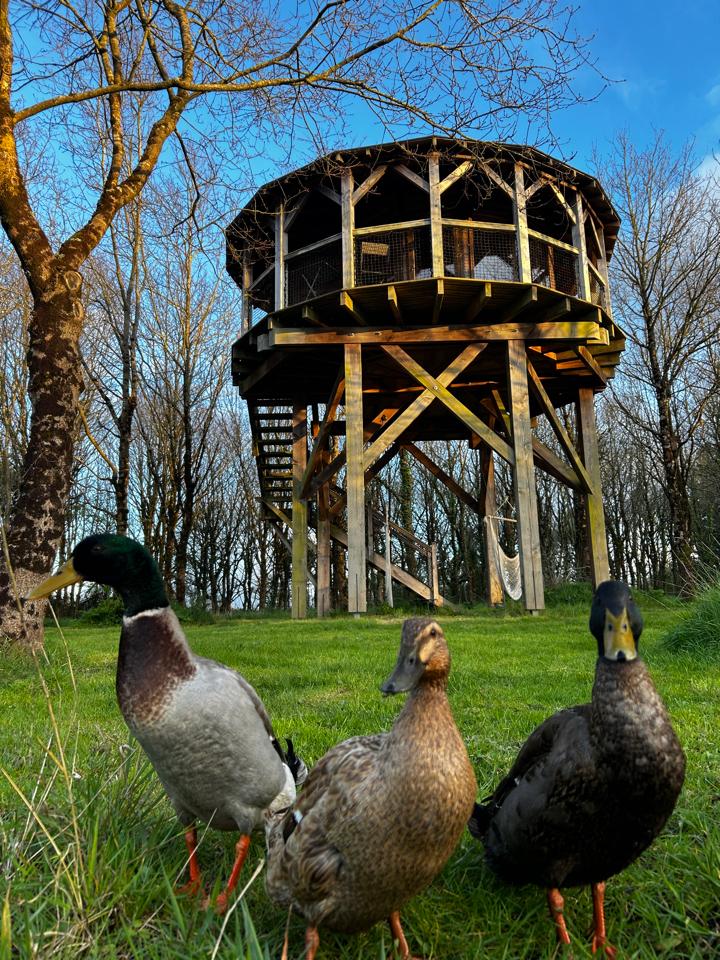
(594, 784)
(203, 727)
(379, 815)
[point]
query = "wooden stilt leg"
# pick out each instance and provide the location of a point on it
(587, 431)
(599, 940)
(492, 575)
(241, 852)
(299, 515)
(357, 555)
(556, 904)
(323, 545)
(524, 476)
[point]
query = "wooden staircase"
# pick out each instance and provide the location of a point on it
(272, 432)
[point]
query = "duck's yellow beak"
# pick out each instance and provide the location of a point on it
(67, 575)
(619, 642)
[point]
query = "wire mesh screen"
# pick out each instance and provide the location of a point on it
(314, 273)
(597, 291)
(388, 256)
(483, 254)
(554, 267)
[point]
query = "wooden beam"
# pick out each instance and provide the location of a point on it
(587, 431)
(412, 177)
(368, 183)
(280, 251)
(591, 363)
(348, 225)
(393, 304)
(524, 478)
(476, 305)
(311, 315)
(579, 242)
(333, 403)
(357, 555)
(496, 178)
(436, 239)
(371, 472)
(452, 485)
(299, 514)
(493, 581)
(560, 432)
(439, 297)
(547, 460)
(322, 591)
(330, 194)
(266, 367)
(521, 226)
(398, 426)
(455, 175)
(518, 330)
(456, 407)
(346, 302)
(519, 304)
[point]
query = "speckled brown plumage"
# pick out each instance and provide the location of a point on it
(379, 815)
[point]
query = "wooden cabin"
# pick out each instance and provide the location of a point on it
(425, 289)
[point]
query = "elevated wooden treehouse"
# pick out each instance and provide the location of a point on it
(429, 289)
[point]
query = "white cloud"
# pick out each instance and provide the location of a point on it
(713, 96)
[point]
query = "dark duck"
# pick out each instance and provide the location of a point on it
(594, 784)
(379, 815)
(203, 727)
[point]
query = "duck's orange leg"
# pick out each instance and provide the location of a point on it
(312, 942)
(599, 941)
(557, 904)
(241, 852)
(399, 935)
(195, 883)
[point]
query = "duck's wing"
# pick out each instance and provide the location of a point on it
(303, 861)
(544, 741)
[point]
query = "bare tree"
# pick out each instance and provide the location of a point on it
(666, 290)
(456, 64)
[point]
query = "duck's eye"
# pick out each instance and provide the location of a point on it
(609, 628)
(411, 659)
(433, 632)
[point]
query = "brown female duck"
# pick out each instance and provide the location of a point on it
(594, 784)
(379, 815)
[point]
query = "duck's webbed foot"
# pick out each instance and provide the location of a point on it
(194, 884)
(398, 935)
(241, 852)
(556, 903)
(599, 940)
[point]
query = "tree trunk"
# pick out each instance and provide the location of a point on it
(36, 522)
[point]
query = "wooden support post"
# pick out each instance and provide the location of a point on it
(438, 266)
(388, 559)
(524, 477)
(299, 515)
(493, 583)
(521, 227)
(280, 251)
(357, 551)
(578, 235)
(322, 595)
(348, 225)
(434, 583)
(587, 431)
(246, 315)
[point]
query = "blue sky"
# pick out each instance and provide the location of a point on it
(666, 57)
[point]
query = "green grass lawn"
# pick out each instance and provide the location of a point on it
(90, 852)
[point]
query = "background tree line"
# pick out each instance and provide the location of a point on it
(163, 449)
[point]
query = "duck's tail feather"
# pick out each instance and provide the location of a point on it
(481, 817)
(297, 766)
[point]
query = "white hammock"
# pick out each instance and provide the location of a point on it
(508, 568)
